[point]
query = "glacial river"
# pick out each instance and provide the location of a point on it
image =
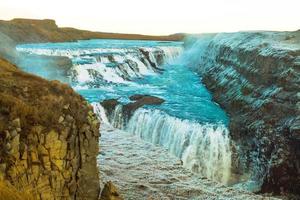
(188, 124)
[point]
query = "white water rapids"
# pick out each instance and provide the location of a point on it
(202, 148)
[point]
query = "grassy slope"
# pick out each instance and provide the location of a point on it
(34, 100)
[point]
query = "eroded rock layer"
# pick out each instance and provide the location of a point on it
(255, 77)
(48, 137)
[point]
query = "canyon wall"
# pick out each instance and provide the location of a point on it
(255, 77)
(49, 134)
(48, 137)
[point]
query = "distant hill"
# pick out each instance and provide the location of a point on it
(19, 31)
(29, 30)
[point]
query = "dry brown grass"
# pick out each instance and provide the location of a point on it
(35, 100)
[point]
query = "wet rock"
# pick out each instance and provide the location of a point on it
(110, 192)
(110, 104)
(255, 78)
(147, 56)
(140, 101)
(127, 111)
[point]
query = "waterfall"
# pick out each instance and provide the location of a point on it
(203, 148)
(94, 67)
(117, 119)
(100, 112)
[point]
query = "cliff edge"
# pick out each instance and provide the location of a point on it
(255, 77)
(48, 137)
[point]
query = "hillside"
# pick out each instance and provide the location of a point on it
(32, 31)
(48, 137)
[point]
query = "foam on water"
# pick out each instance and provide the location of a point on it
(203, 148)
(94, 66)
(100, 112)
(188, 124)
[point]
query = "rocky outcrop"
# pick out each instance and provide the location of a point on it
(48, 137)
(140, 101)
(110, 192)
(255, 77)
(158, 56)
(128, 109)
(110, 104)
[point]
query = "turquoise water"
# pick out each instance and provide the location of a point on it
(100, 43)
(186, 97)
(188, 124)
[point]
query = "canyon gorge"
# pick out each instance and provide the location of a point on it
(208, 116)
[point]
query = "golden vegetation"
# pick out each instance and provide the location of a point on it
(33, 99)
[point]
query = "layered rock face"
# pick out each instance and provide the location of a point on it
(119, 114)
(255, 77)
(48, 137)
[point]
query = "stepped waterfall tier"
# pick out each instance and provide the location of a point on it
(204, 149)
(188, 124)
(255, 77)
(98, 62)
(153, 93)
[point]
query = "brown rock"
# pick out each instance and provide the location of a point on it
(110, 192)
(46, 156)
(140, 101)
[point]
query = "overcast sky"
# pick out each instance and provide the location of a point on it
(160, 16)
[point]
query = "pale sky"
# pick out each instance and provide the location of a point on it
(160, 16)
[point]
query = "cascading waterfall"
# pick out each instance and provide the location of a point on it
(100, 112)
(189, 124)
(93, 67)
(203, 148)
(116, 118)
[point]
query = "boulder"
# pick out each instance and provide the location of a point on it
(140, 101)
(110, 104)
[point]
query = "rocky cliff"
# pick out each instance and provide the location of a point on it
(255, 77)
(48, 137)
